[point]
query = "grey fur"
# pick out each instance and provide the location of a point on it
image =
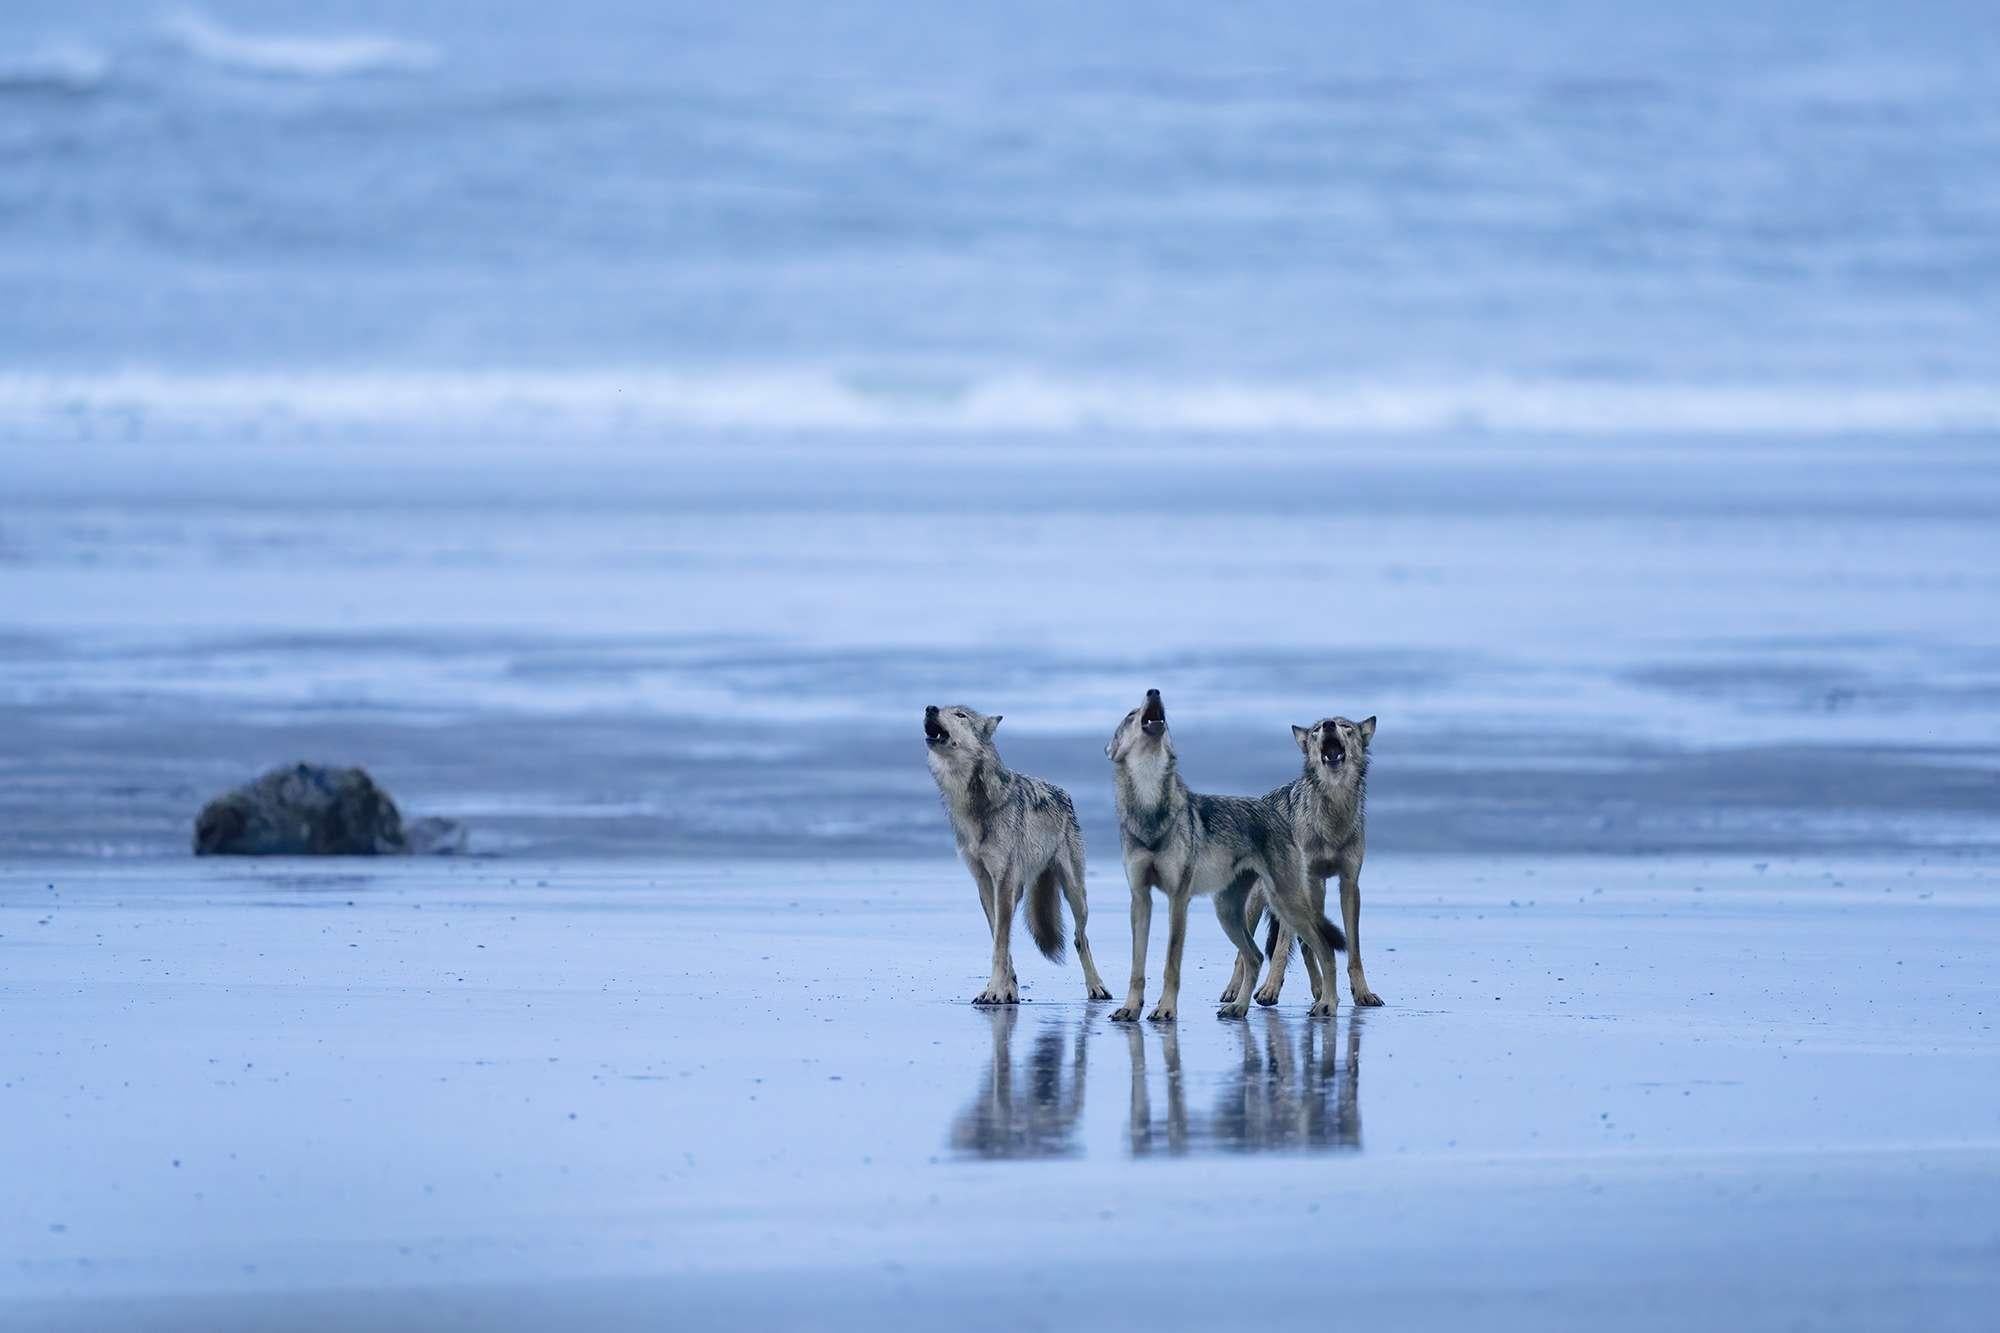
(1328, 804)
(1186, 843)
(1017, 835)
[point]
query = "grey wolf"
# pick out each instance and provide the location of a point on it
(1184, 844)
(1328, 808)
(1019, 838)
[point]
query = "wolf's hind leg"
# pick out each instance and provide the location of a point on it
(1229, 911)
(1313, 961)
(1079, 912)
(1299, 907)
(1278, 946)
(1239, 977)
(1253, 911)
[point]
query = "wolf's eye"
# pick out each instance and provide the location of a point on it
(958, 713)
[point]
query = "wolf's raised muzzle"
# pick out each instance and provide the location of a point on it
(1153, 720)
(933, 730)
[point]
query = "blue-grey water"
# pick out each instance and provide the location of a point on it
(612, 422)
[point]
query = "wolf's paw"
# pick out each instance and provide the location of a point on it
(1228, 995)
(1366, 998)
(1162, 1013)
(1125, 1013)
(1240, 1009)
(1322, 1009)
(1267, 995)
(1099, 993)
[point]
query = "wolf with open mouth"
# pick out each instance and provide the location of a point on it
(1328, 805)
(1019, 837)
(1184, 844)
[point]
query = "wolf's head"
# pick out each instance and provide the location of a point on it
(1141, 733)
(957, 737)
(1336, 750)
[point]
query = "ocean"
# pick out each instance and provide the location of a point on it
(612, 423)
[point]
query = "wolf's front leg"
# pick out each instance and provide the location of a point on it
(1137, 880)
(1001, 987)
(984, 880)
(1170, 987)
(1350, 920)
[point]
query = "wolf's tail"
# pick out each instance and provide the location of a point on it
(1044, 914)
(1331, 934)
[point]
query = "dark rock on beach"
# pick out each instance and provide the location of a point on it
(316, 810)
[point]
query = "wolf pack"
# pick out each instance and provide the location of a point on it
(1257, 857)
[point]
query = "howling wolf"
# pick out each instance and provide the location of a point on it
(1185, 843)
(1329, 812)
(1018, 835)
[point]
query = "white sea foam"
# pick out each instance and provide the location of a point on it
(810, 399)
(295, 56)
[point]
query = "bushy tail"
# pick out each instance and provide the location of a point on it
(1044, 912)
(1272, 937)
(1331, 934)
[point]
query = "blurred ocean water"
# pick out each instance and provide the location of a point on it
(1713, 216)
(612, 422)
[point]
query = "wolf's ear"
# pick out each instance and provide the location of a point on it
(1367, 729)
(1299, 735)
(992, 725)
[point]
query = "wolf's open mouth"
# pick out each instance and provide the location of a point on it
(1153, 720)
(933, 732)
(1332, 755)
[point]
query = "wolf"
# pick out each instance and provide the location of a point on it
(1018, 836)
(1185, 843)
(1328, 806)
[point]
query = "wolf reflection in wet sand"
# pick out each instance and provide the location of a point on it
(1295, 1087)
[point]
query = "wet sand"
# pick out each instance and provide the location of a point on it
(513, 1094)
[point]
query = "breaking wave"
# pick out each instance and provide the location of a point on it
(293, 56)
(146, 401)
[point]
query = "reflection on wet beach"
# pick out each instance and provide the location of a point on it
(1288, 1091)
(1032, 1110)
(1287, 1084)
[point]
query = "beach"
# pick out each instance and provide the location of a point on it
(1679, 892)
(462, 1094)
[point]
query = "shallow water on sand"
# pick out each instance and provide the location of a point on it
(462, 1095)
